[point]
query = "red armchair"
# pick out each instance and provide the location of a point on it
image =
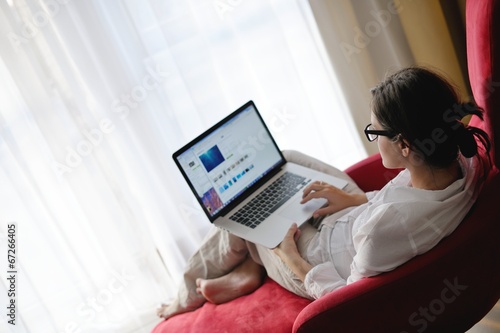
(447, 289)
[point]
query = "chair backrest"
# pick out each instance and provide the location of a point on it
(483, 59)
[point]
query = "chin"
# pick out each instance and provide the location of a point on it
(390, 164)
(386, 163)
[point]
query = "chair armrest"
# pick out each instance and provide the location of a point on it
(370, 174)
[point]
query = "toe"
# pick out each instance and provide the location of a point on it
(161, 309)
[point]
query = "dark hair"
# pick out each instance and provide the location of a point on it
(425, 110)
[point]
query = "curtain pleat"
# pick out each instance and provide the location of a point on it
(96, 97)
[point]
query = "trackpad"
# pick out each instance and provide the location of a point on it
(298, 212)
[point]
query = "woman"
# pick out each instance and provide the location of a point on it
(416, 122)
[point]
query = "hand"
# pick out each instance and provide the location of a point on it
(337, 198)
(289, 244)
(289, 253)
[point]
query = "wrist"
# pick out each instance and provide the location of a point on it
(300, 267)
(296, 263)
(359, 199)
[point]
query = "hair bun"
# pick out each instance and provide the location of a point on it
(466, 141)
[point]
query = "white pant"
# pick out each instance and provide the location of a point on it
(221, 251)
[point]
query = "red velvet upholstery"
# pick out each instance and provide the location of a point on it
(270, 309)
(417, 296)
(370, 174)
(447, 289)
(483, 53)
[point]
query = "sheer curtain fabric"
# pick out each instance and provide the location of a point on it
(96, 96)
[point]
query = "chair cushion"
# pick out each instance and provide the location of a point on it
(270, 309)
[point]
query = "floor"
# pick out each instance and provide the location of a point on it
(490, 323)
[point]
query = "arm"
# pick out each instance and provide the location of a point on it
(337, 200)
(318, 280)
(287, 250)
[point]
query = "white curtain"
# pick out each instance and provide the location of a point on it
(95, 97)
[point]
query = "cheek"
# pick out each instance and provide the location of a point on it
(390, 159)
(382, 147)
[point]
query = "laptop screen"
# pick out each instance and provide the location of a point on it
(228, 159)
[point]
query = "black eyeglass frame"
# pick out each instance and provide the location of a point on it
(389, 134)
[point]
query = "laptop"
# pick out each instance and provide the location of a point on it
(243, 182)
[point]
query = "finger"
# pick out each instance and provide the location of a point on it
(316, 186)
(293, 229)
(297, 234)
(288, 236)
(311, 189)
(312, 195)
(322, 212)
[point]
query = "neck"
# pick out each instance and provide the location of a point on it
(428, 178)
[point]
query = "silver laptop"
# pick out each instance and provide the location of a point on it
(242, 181)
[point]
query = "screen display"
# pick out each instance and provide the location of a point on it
(229, 159)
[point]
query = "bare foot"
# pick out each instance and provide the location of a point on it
(243, 280)
(163, 311)
(166, 311)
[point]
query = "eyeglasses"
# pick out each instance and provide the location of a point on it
(372, 134)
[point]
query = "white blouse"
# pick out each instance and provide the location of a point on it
(397, 223)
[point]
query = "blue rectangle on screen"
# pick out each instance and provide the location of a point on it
(212, 158)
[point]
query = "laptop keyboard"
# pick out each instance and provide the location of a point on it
(269, 200)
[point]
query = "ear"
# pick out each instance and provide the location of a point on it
(404, 146)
